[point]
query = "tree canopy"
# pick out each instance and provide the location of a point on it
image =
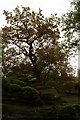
(31, 46)
(28, 30)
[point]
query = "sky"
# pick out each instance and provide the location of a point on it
(47, 6)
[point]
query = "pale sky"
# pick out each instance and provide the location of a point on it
(47, 6)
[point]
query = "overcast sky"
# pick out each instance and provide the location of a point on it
(48, 6)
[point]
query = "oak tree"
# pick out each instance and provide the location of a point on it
(32, 47)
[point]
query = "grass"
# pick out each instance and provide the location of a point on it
(25, 112)
(72, 99)
(19, 111)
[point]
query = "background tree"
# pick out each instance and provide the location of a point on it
(71, 25)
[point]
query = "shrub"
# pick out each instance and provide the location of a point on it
(5, 84)
(18, 82)
(31, 95)
(77, 86)
(67, 113)
(13, 88)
